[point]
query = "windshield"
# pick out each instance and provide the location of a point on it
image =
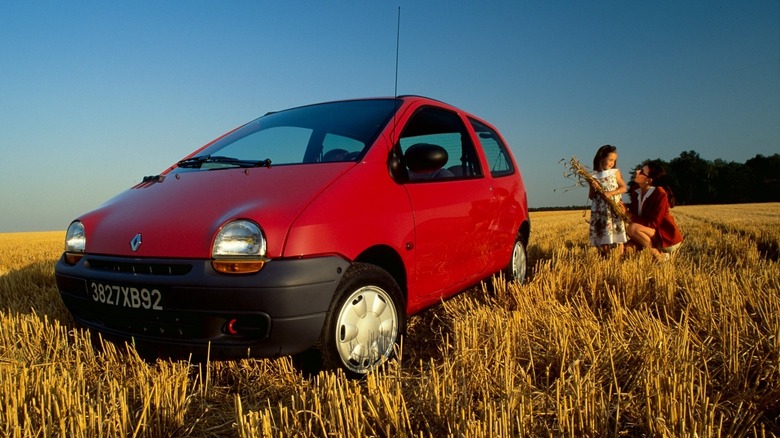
(327, 132)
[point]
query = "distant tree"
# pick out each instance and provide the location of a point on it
(732, 183)
(692, 176)
(699, 181)
(766, 173)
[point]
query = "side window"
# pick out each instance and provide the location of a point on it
(495, 150)
(444, 129)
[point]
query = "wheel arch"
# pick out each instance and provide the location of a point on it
(524, 232)
(389, 260)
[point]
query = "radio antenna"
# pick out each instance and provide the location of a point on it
(394, 160)
(397, 45)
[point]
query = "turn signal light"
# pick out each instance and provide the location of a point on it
(72, 258)
(237, 266)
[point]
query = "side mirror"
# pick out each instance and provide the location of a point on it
(423, 158)
(396, 167)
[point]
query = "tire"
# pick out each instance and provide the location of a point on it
(368, 301)
(516, 269)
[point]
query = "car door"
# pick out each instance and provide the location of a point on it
(453, 207)
(508, 192)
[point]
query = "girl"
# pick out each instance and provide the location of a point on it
(606, 228)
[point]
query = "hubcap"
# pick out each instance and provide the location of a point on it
(518, 262)
(366, 329)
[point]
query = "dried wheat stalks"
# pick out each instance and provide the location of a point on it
(585, 178)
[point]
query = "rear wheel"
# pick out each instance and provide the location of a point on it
(516, 268)
(364, 322)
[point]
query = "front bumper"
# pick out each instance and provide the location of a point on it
(184, 307)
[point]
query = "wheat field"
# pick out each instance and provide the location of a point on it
(588, 346)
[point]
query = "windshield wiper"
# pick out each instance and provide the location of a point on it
(197, 162)
(193, 161)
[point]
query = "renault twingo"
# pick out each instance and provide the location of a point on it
(319, 228)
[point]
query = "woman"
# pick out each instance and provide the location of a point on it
(653, 226)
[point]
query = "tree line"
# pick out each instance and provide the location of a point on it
(695, 180)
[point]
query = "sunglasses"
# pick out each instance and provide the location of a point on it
(642, 172)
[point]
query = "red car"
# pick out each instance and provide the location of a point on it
(318, 228)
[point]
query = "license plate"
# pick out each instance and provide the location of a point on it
(124, 296)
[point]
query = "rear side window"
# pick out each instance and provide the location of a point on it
(495, 150)
(445, 129)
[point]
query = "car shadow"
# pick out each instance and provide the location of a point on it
(33, 290)
(425, 334)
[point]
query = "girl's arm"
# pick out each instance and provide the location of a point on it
(593, 188)
(621, 188)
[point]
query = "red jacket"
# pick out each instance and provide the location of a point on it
(656, 215)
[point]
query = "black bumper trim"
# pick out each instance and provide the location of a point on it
(280, 310)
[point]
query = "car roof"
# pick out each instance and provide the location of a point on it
(404, 97)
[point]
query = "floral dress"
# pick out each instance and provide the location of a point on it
(606, 228)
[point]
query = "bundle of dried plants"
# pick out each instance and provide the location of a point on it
(585, 178)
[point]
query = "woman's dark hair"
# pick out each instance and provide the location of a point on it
(601, 154)
(658, 174)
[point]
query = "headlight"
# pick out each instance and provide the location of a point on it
(239, 248)
(75, 243)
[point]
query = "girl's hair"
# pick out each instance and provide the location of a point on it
(658, 174)
(601, 154)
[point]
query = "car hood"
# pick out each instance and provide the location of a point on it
(178, 215)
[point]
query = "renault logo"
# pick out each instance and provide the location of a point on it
(136, 242)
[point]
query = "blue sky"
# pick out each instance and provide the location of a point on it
(95, 95)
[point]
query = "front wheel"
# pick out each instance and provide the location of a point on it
(364, 322)
(516, 268)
